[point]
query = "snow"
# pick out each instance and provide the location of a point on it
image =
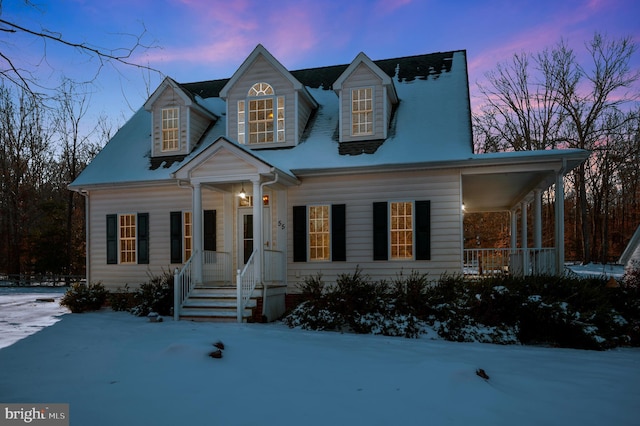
(431, 127)
(115, 368)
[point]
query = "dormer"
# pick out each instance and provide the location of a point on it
(367, 99)
(177, 120)
(267, 107)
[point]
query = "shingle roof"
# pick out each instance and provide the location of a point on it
(408, 68)
(431, 124)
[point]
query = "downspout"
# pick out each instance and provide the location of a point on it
(261, 259)
(87, 237)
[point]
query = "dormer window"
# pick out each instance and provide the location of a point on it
(362, 111)
(170, 126)
(263, 120)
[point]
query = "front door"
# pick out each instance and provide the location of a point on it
(246, 236)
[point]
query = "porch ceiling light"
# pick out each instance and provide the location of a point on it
(242, 194)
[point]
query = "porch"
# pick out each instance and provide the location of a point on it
(223, 295)
(488, 262)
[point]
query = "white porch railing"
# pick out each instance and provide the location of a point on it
(274, 266)
(246, 281)
(517, 262)
(183, 283)
(216, 267)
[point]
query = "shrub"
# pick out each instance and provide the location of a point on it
(154, 296)
(556, 311)
(122, 299)
(81, 298)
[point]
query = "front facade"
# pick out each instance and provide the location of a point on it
(250, 184)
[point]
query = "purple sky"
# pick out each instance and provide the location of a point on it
(208, 39)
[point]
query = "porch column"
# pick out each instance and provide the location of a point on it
(537, 219)
(523, 224)
(559, 219)
(257, 227)
(196, 235)
(514, 230)
(523, 240)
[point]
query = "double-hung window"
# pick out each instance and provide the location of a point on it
(402, 230)
(261, 116)
(170, 129)
(181, 234)
(128, 238)
(319, 233)
(362, 111)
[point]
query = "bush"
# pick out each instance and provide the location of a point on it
(121, 300)
(556, 311)
(154, 296)
(81, 298)
(354, 303)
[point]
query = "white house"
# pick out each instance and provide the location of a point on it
(247, 185)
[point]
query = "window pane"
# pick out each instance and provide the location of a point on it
(319, 237)
(362, 111)
(127, 238)
(170, 125)
(401, 219)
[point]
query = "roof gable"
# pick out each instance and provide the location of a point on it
(225, 158)
(168, 83)
(260, 51)
(363, 59)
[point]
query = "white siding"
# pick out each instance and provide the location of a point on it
(199, 123)
(158, 202)
(359, 193)
(223, 164)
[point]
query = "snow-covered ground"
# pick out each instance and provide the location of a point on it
(117, 369)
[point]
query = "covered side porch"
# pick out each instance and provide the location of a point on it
(237, 263)
(514, 183)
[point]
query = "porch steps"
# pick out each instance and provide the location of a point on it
(216, 303)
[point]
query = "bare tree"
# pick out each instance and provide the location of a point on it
(24, 158)
(521, 111)
(14, 72)
(587, 96)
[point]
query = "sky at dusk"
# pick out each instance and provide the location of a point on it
(194, 40)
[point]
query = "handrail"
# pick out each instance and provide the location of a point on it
(183, 283)
(246, 282)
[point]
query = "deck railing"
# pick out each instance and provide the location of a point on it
(246, 281)
(216, 267)
(183, 283)
(518, 262)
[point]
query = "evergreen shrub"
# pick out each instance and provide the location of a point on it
(555, 311)
(82, 298)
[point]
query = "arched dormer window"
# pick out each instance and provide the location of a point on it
(261, 116)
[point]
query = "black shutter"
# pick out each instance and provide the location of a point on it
(175, 232)
(299, 233)
(380, 232)
(338, 233)
(209, 230)
(423, 230)
(112, 239)
(143, 238)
